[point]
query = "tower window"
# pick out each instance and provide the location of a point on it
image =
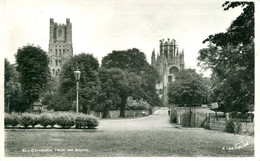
(173, 70)
(56, 52)
(56, 62)
(57, 72)
(63, 50)
(60, 51)
(53, 71)
(169, 79)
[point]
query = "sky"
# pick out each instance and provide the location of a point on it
(101, 26)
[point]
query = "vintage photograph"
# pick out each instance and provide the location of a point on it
(132, 78)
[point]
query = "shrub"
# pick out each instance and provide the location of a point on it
(65, 120)
(27, 120)
(53, 120)
(92, 122)
(46, 120)
(35, 120)
(137, 105)
(11, 120)
(173, 117)
(230, 127)
(83, 121)
(186, 120)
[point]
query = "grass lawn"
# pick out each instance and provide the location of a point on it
(145, 143)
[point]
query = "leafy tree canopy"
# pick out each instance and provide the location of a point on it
(230, 55)
(187, 89)
(32, 65)
(14, 98)
(88, 83)
(134, 61)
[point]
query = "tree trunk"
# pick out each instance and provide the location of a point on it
(88, 110)
(8, 106)
(190, 116)
(31, 106)
(122, 107)
(106, 112)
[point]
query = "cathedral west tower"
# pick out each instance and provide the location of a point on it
(169, 61)
(60, 45)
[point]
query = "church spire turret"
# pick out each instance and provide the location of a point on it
(169, 61)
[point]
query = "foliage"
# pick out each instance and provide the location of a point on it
(62, 119)
(137, 105)
(230, 56)
(88, 84)
(230, 127)
(92, 122)
(32, 64)
(173, 117)
(83, 121)
(46, 119)
(14, 98)
(188, 88)
(27, 120)
(112, 82)
(11, 120)
(134, 62)
(35, 120)
(57, 102)
(186, 120)
(65, 120)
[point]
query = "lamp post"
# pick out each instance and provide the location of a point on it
(77, 76)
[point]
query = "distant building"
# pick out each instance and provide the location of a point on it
(60, 45)
(169, 61)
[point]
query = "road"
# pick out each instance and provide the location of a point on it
(158, 121)
(144, 137)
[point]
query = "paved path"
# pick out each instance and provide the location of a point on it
(158, 121)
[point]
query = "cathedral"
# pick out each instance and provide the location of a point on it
(60, 45)
(169, 61)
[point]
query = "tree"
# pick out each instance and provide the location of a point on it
(59, 103)
(112, 82)
(116, 86)
(132, 88)
(32, 64)
(134, 61)
(89, 86)
(14, 100)
(230, 55)
(187, 89)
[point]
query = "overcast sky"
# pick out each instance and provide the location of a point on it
(101, 26)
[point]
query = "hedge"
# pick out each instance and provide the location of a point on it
(64, 120)
(11, 120)
(83, 121)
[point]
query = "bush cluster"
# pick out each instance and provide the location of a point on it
(83, 121)
(186, 120)
(232, 126)
(47, 119)
(11, 120)
(64, 120)
(173, 117)
(137, 105)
